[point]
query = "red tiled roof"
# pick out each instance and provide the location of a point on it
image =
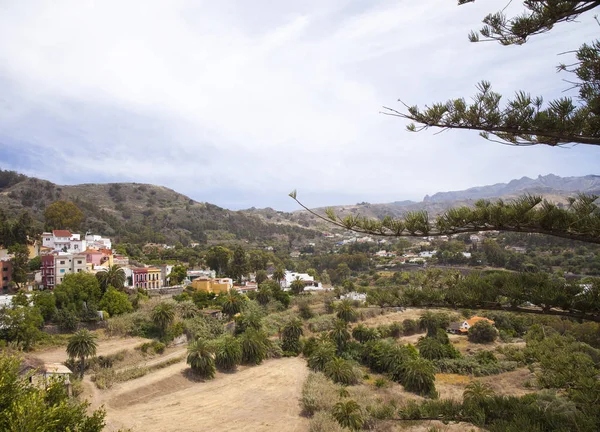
(61, 233)
(91, 252)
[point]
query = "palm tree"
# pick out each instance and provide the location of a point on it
(431, 322)
(321, 355)
(346, 312)
(278, 275)
(340, 334)
(477, 391)
(200, 358)
(291, 336)
(113, 276)
(348, 414)
(187, 309)
(264, 295)
(232, 303)
(255, 345)
(81, 345)
(340, 371)
(419, 376)
(364, 334)
(228, 353)
(163, 315)
(297, 286)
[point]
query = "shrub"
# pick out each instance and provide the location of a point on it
(471, 366)
(410, 327)
(323, 353)
(419, 376)
(228, 353)
(323, 421)
(395, 329)
(309, 345)
(486, 357)
(158, 347)
(482, 332)
(364, 334)
(200, 358)
(349, 414)
(255, 346)
(340, 371)
(380, 382)
(318, 394)
(305, 311)
(321, 323)
(291, 336)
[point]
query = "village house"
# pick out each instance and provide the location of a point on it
(210, 285)
(309, 282)
(462, 327)
(5, 273)
(57, 265)
(146, 278)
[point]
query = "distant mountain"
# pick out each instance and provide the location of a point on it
(549, 184)
(554, 188)
(140, 213)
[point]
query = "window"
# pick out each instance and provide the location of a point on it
(4, 269)
(78, 270)
(5, 278)
(62, 270)
(78, 261)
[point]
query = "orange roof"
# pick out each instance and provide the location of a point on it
(91, 252)
(61, 233)
(475, 319)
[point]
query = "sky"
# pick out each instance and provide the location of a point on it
(239, 102)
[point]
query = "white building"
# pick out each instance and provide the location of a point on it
(309, 282)
(354, 296)
(64, 240)
(427, 254)
(97, 242)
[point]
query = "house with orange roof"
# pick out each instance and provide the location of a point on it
(464, 326)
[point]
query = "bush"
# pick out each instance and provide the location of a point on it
(395, 330)
(471, 366)
(318, 394)
(305, 311)
(341, 371)
(323, 421)
(321, 323)
(482, 332)
(228, 353)
(409, 327)
(364, 334)
(158, 347)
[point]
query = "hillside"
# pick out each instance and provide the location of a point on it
(552, 187)
(140, 213)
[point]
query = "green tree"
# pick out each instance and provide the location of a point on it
(63, 215)
(477, 392)
(297, 286)
(80, 293)
(321, 355)
(258, 260)
(432, 321)
(482, 332)
(26, 406)
(290, 334)
(340, 371)
(201, 358)
(255, 345)
(163, 316)
(232, 303)
(346, 312)
(278, 275)
(82, 345)
(19, 263)
(21, 325)
(35, 263)
(217, 258)
(349, 415)
(261, 276)
(419, 376)
(177, 275)
(113, 276)
(239, 266)
(46, 304)
(340, 334)
(115, 302)
(364, 334)
(228, 353)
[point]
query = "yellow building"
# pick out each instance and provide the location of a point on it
(217, 286)
(154, 279)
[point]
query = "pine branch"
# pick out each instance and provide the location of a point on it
(527, 214)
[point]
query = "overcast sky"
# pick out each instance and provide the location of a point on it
(239, 102)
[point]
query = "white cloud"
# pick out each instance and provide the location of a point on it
(239, 102)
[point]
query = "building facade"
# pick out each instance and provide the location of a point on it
(147, 278)
(5, 273)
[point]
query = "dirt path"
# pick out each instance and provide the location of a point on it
(258, 398)
(105, 347)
